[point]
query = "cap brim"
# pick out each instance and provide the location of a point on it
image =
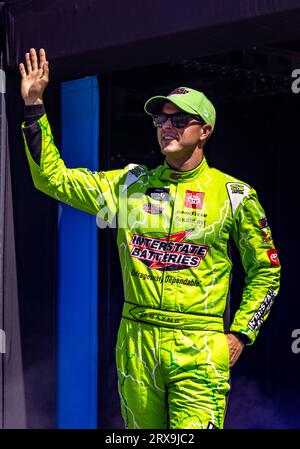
(155, 104)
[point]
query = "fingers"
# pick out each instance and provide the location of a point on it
(35, 68)
(22, 70)
(28, 63)
(46, 71)
(34, 62)
(235, 353)
(42, 58)
(235, 348)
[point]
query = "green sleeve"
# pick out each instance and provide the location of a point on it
(92, 192)
(253, 238)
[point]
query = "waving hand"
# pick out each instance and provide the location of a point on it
(35, 77)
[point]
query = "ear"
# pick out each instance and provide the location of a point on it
(206, 131)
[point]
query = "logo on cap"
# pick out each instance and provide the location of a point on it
(179, 91)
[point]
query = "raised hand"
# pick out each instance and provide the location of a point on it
(35, 79)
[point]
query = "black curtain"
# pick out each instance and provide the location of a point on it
(12, 399)
(118, 35)
(35, 231)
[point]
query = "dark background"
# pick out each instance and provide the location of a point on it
(241, 55)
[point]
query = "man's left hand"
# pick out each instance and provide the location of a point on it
(236, 347)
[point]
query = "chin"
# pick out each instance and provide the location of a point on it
(167, 149)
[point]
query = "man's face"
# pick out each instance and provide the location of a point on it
(177, 141)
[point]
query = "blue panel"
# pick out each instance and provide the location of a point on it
(77, 337)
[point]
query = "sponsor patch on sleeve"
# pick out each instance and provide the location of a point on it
(236, 191)
(273, 256)
(134, 173)
(263, 223)
(258, 318)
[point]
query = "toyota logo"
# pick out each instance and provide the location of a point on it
(193, 199)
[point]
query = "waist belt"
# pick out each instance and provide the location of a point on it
(172, 319)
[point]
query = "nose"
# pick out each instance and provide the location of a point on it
(167, 124)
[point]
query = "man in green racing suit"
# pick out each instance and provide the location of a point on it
(175, 345)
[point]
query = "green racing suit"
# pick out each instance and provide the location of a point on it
(174, 228)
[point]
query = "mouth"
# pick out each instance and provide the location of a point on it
(168, 138)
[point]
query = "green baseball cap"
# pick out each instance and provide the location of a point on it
(187, 99)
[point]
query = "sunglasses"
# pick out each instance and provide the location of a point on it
(178, 120)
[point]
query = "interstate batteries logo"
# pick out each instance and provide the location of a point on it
(167, 253)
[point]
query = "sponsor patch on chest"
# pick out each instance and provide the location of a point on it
(167, 253)
(193, 199)
(158, 193)
(153, 209)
